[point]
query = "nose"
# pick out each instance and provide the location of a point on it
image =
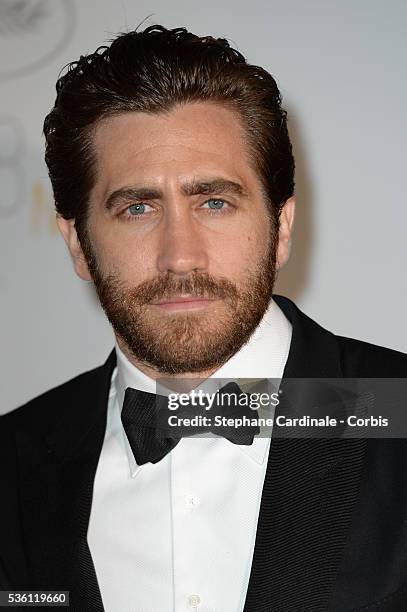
(181, 248)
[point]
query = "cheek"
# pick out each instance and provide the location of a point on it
(255, 242)
(239, 255)
(123, 255)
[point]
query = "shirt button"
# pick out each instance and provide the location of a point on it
(191, 501)
(194, 601)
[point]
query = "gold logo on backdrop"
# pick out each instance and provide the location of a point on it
(42, 211)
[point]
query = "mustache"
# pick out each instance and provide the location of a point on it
(169, 286)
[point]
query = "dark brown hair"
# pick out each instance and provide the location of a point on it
(151, 71)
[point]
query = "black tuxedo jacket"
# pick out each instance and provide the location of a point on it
(332, 528)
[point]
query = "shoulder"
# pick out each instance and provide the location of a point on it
(351, 357)
(42, 405)
(362, 359)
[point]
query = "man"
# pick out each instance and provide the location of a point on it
(173, 179)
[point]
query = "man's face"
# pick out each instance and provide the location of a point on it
(177, 212)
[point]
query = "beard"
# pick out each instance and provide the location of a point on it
(186, 341)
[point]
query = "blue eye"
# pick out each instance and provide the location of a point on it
(217, 204)
(136, 209)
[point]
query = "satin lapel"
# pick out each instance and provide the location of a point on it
(308, 495)
(58, 454)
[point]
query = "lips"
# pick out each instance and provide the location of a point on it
(182, 299)
(184, 303)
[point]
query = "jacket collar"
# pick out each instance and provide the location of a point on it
(314, 351)
(309, 493)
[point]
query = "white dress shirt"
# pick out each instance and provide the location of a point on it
(178, 535)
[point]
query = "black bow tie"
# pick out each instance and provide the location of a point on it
(145, 418)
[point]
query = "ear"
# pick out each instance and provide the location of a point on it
(285, 232)
(68, 231)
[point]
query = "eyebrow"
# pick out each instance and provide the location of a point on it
(189, 188)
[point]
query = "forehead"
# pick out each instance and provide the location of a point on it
(192, 139)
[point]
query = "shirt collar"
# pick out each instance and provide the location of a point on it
(263, 356)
